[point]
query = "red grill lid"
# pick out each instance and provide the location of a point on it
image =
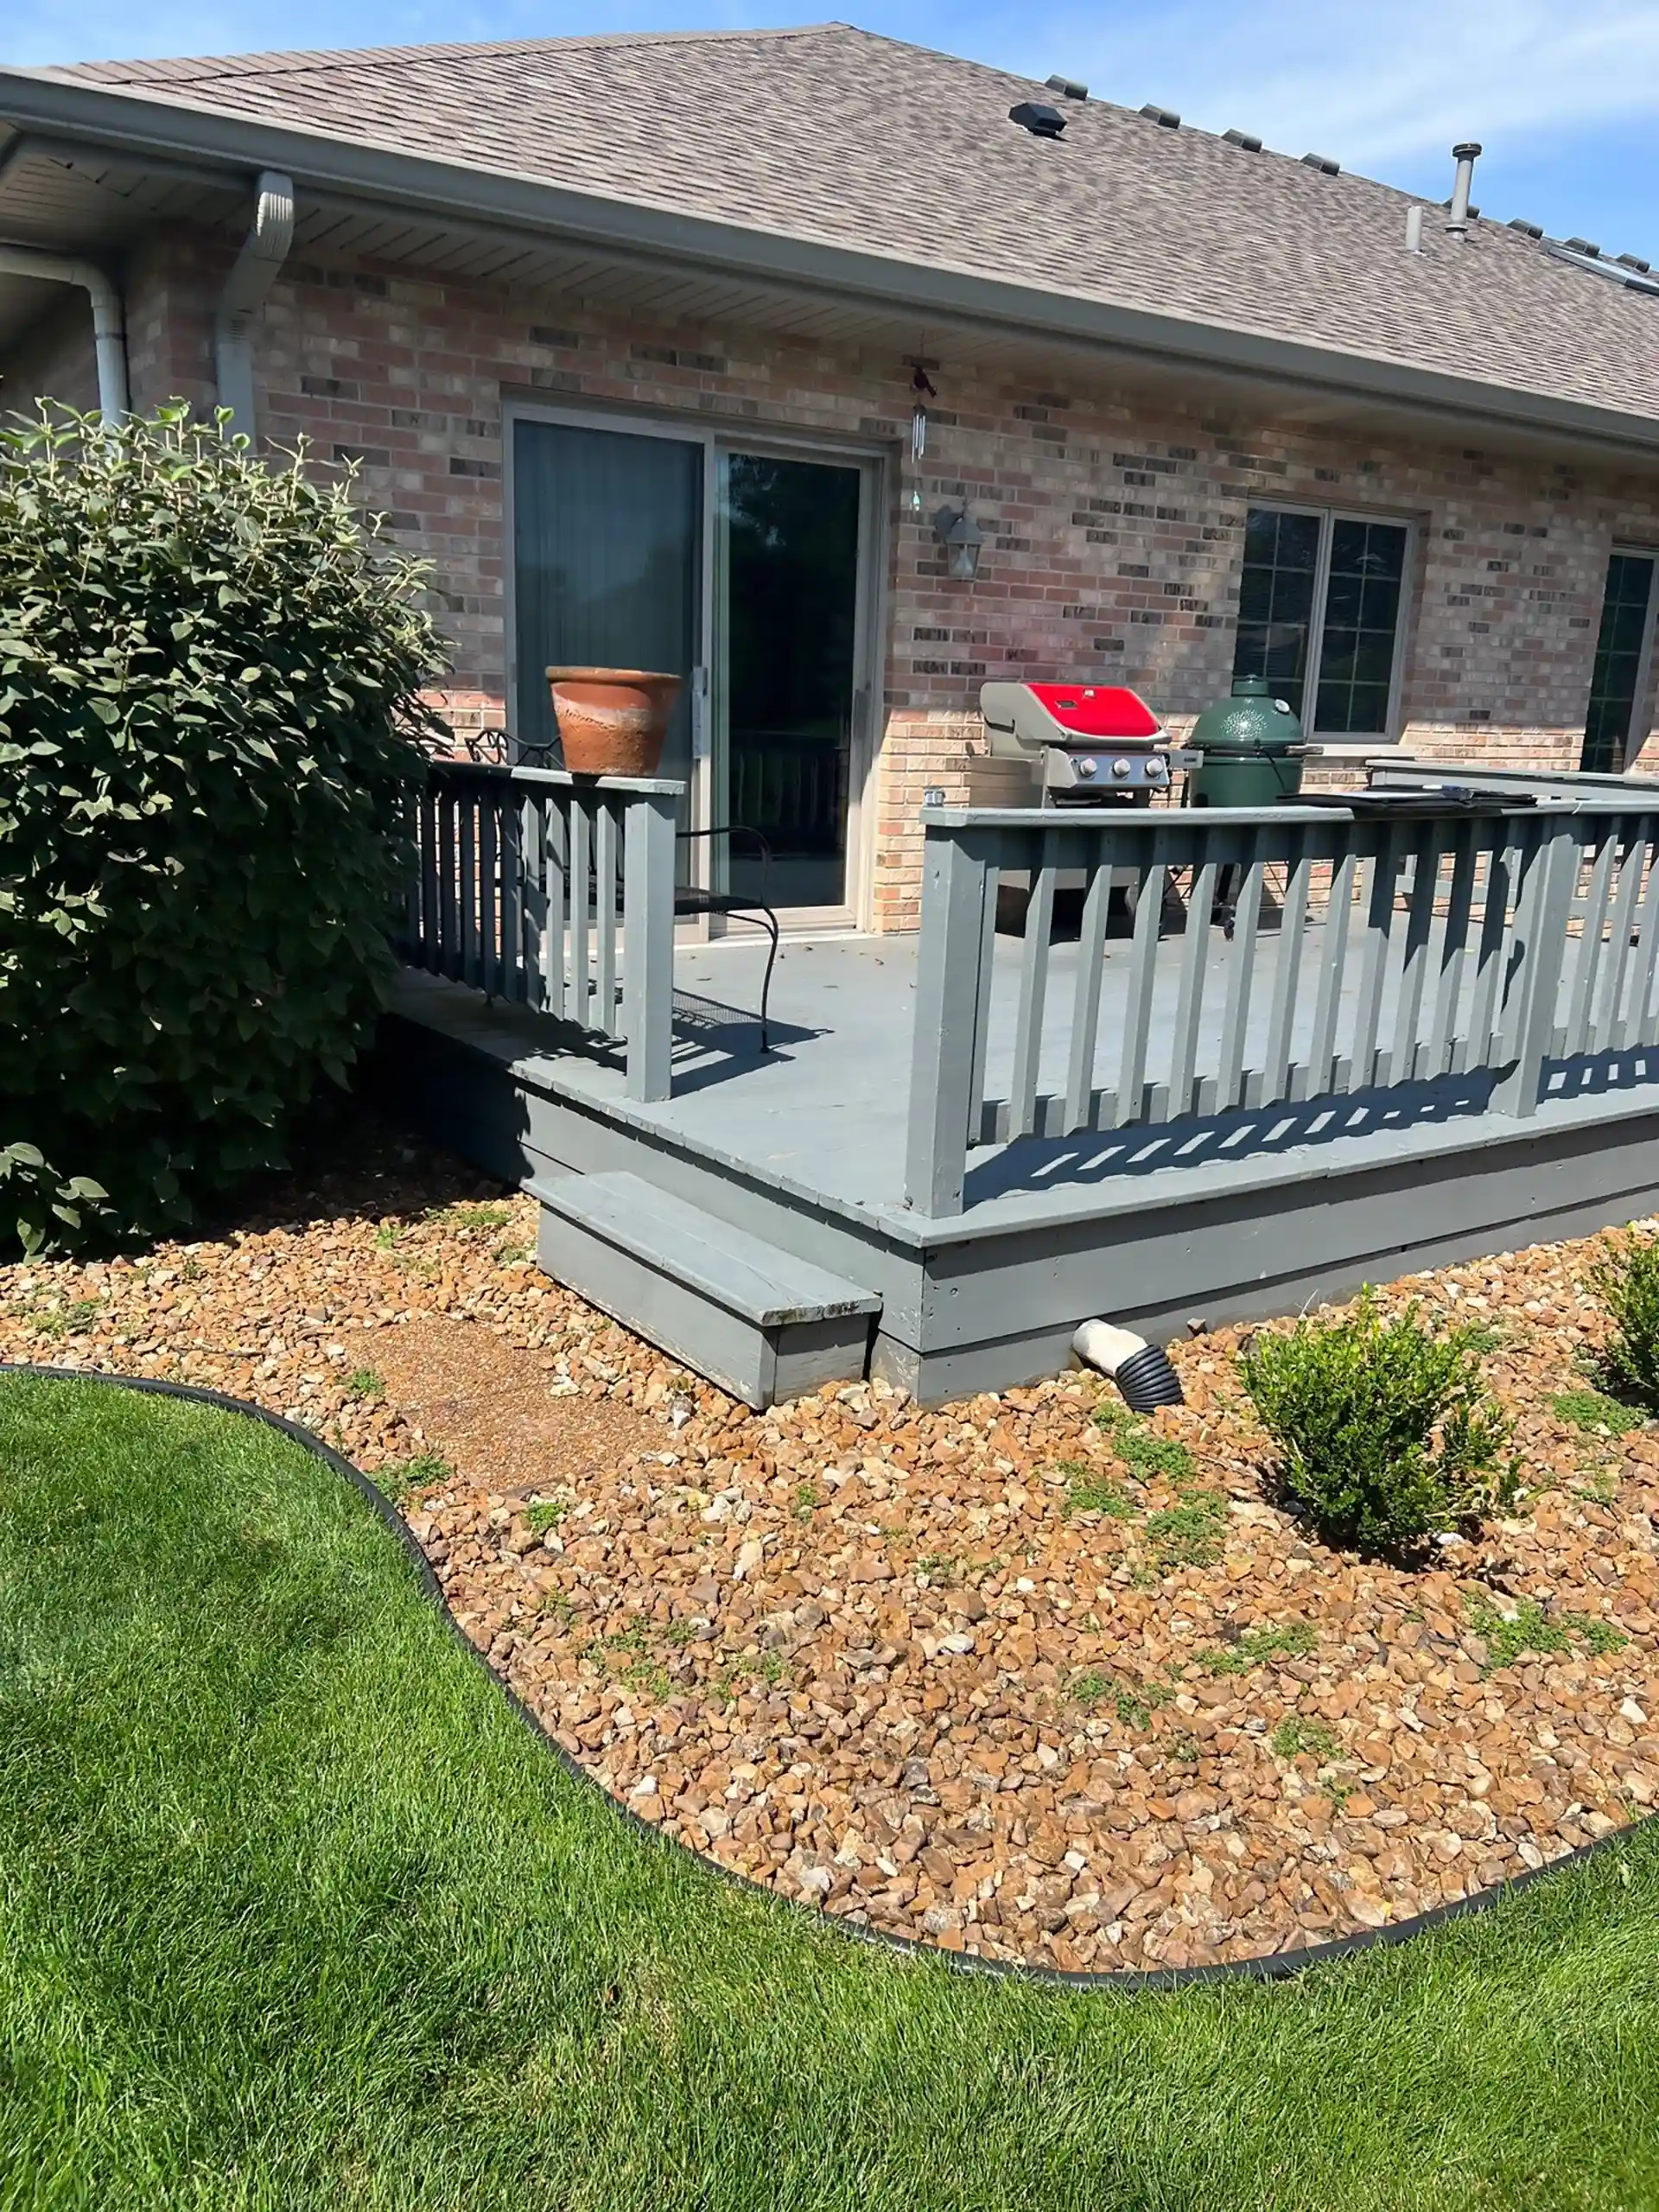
(1100, 710)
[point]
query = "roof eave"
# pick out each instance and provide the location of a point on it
(119, 119)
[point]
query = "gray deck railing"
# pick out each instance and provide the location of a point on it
(1406, 950)
(1561, 787)
(555, 893)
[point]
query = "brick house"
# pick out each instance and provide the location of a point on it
(690, 351)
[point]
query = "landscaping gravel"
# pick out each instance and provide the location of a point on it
(1018, 1676)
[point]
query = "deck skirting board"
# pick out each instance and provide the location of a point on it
(962, 1313)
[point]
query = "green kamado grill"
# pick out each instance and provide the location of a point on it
(1250, 749)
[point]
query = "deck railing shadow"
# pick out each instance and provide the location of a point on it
(1197, 1141)
(705, 1027)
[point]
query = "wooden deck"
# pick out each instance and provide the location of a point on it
(1243, 1213)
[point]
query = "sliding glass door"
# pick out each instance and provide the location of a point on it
(608, 566)
(787, 629)
(660, 548)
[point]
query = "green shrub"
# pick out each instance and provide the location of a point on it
(209, 678)
(1589, 1409)
(1627, 1283)
(1386, 1431)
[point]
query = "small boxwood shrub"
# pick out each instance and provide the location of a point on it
(1388, 1434)
(1627, 1283)
(210, 672)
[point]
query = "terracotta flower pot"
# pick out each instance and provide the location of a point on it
(613, 722)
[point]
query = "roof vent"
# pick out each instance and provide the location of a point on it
(1323, 163)
(1459, 213)
(1068, 88)
(1583, 245)
(1634, 261)
(1167, 116)
(1242, 138)
(1042, 121)
(1527, 230)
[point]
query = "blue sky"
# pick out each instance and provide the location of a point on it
(1565, 97)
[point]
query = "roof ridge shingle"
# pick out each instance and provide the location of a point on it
(279, 61)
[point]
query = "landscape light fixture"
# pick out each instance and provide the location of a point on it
(962, 538)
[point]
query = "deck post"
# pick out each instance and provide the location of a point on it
(1545, 910)
(949, 971)
(648, 944)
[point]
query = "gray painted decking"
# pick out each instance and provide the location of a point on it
(1253, 1214)
(824, 1112)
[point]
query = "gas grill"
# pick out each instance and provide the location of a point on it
(1091, 744)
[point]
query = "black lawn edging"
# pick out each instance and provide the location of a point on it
(1274, 1966)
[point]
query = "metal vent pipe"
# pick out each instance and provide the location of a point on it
(1462, 184)
(254, 272)
(108, 325)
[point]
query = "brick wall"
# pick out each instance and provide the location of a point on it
(54, 357)
(1113, 517)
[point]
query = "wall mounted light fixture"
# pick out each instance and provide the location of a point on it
(962, 538)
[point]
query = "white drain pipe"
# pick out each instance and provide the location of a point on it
(254, 272)
(1141, 1372)
(108, 325)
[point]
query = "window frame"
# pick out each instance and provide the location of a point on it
(1327, 518)
(1637, 736)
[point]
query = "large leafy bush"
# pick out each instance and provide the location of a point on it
(1388, 1432)
(209, 680)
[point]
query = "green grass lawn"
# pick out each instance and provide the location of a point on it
(294, 1913)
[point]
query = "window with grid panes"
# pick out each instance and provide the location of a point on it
(1620, 670)
(1320, 604)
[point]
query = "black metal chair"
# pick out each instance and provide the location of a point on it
(688, 899)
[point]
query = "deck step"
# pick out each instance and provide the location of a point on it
(751, 1316)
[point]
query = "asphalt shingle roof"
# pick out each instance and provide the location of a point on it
(834, 135)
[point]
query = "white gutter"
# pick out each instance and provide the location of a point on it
(109, 329)
(254, 272)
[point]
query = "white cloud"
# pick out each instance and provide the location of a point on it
(1372, 84)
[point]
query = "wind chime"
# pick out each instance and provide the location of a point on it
(922, 386)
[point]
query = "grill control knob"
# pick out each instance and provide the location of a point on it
(1088, 768)
(1158, 772)
(1122, 770)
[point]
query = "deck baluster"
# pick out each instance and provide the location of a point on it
(1085, 1004)
(449, 863)
(605, 916)
(1189, 995)
(1143, 976)
(1322, 1074)
(1435, 1059)
(1413, 967)
(1549, 878)
(1641, 1021)
(1241, 973)
(1368, 1062)
(1616, 968)
(1586, 967)
(1287, 968)
(556, 883)
(580, 856)
(489, 814)
(1033, 990)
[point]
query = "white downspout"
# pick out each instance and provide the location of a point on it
(109, 329)
(263, 252)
